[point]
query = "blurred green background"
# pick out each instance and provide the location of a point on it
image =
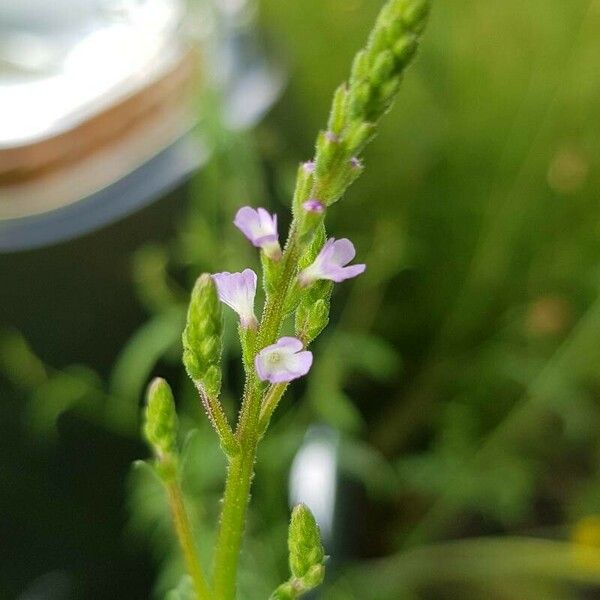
(462, 371)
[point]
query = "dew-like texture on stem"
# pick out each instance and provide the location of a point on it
(283, 361)
(238, 291)
(331, 263)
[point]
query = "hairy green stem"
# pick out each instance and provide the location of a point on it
(269, 404)
(241, 467)
(186, 540)
(218, 418)
(235, 501)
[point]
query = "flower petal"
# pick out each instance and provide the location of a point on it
(283, 361)
(238, 290)
(289, 344)
(348, 272)
(343, 252)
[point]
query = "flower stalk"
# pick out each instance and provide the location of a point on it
(298, 279)
(160, 431)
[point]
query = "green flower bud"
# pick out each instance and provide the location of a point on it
(379, 40)
(304, 183)
(314, 576)
(404, 49)
(383, 68)
(415, 14)
(327, 151)
(285, 591)
(337, 116)
(359, 136)
(304, 543)
(212, 380)
(360, 68)
(359, 100)
(311, 319)
(202, 337)
(160, 423)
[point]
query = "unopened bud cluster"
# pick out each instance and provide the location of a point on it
(160, 424)
(356, 109)
(202, 337)
(307, 556)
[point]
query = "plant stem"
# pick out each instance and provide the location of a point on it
(233, 516)
(186, 540)
(217, 416)
(269, 404)
(241, 467)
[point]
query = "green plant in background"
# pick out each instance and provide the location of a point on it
(297, 280)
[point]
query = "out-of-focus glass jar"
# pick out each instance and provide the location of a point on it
(96, 106)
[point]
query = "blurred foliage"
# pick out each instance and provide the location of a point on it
(463, 369)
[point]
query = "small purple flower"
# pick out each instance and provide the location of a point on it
(237, 290)
(260, 228)
(355, 163)
(283, 361)
(331, 263)
(314, 206)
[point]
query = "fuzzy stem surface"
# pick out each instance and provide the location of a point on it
(186, 540)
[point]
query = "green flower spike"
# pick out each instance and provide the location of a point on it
(307, 556)
(202, 346)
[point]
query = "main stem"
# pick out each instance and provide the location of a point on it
(233, 516)
(241, 466)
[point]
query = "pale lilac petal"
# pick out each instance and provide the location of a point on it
(261, 366)
(283, 361)
(246, 220)
(304, 362)
(289, 344)
(266, 221)
(237, 290)
(331, 263)
(343, 252)
(327, 247)
(348, 272)
(260, 227)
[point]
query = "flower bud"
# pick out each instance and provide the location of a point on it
(359, 137)
(415, 15)
(337, 117)
(360, 68)
(328, 146)
(314, 576)
(285, 591)
(312, 318)
(304, 183)
(383, 68)
(202, 341)
(304, 544)
(160, 422)
(404, 49)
